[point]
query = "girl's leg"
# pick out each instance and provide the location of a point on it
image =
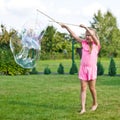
(83, 95)
(92, 88)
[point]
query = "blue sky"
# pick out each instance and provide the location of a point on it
(14, 13)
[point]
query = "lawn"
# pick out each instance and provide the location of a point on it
(53, 64)
(56, 97)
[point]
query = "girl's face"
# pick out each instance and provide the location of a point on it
(89, 37)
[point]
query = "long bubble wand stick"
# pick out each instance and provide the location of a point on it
(53, 20)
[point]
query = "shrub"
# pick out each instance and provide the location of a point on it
(112, 68)
(34, 71)
(60, 69)
(73, 69)
(7, 64)
(47, 70)
(100, 68)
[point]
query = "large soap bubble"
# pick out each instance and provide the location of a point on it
(25, 45)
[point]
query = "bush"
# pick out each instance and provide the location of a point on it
(7, 64)
(34, 71)
(100, 69)
(73, 69)
(47, 70)
(112, 68)
(60, 69)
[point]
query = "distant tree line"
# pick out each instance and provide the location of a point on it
(57, 45)
(7, 63)
(106, 26)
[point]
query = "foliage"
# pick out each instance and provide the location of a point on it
(47, 41)
(54, 43)
(34, 71)
(100, 68)
(73, 69)
(112, 67)
(60, 69)
(7, 63)
(108, 32)
(47, 70)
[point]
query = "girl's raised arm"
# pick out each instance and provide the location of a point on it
(93, 34)
(77, 38)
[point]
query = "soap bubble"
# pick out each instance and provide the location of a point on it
(25, 45)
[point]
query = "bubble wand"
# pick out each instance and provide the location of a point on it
(53, 20)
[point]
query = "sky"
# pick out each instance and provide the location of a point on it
(16, 13)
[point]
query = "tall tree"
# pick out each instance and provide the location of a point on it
(108, 31)
(7, 63)
(55, 42)
(47, 42)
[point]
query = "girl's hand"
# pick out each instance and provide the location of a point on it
(83, 26)
(63, 25)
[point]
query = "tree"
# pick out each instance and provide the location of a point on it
(47, 70)
(100, 69)
(47, 42)
(7, 63)
(60, 69)
(55, 42)
(108, 32)
(73, 69)
(112, 67)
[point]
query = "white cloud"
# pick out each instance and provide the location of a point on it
(17, 4)
(64, 11)
(90, 9)
(1, 4)
(14, 13)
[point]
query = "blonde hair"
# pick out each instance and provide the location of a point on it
(95, 32)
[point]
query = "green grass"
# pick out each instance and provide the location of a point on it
(56, 97)
(53, 64)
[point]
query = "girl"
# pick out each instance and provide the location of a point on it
(88, 67)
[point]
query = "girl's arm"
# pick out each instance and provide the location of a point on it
(95, 38)
(77, 38)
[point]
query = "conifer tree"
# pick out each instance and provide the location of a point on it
(60, 69)
(47, 70)
(112, 67)
(100, 68)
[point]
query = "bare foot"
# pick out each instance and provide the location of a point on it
(94, 107)
(82, 111)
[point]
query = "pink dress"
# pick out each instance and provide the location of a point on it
(88, 67)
